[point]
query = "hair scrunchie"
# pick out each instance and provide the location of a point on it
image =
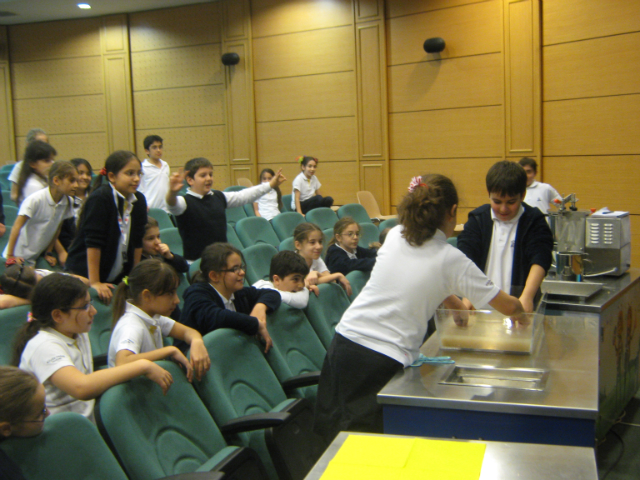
(125, 280)
(103, 171)
(30, 317)
(415, 183)
(300, 159)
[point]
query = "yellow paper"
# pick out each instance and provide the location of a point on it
(445, 459)
(339, 471)
(375, 451)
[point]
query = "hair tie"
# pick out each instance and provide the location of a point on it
(30, 317)
(300, 159)
(103, 171)
(415, 183)
(125, 280)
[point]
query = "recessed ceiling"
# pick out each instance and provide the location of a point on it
(30, 11)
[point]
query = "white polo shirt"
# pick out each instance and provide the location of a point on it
(406, 286)
(293, 299)
(268, 204)
(154, 184)
(306, 186)
(45, 217)
(318, 265)
(138, 332)
(34, 184)
(541, 195)
(48, 352)
(500, 259)
(15, 172)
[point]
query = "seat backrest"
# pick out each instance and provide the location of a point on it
(327, 235)
(248, 209)
(70, 446)
(323, 217)
(182, 286)
(157, 435)
(232, 237)
(234, 188)
(325, 311)
(11, 320)
(258, 259)
(287, 244)
(368, 233)
(358, 279)
(163, 218)
(100, 333)
(453, 241)
(285, 223)
(388, 223)
(234, 215)
(193, 268)
(10, 214)
(368, 201)
(286, 203)
(244, 182)
(171, 236)
(355, 211)
(4, 239)
(256, 230)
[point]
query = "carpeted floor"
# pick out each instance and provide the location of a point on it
(618, 456)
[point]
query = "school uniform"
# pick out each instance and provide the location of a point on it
(48, 352)
(154, 184)
(293, 299)
(268, 205)
(202, 219)
(137, 332)
(382, 330)
(308, 198)
(338, 260)
(318, 265)
(178, 262)
(45, 217)
(541, 195)
(69, 226)
(206, 310)
(100, 227)
(33, 184)
(533, 243)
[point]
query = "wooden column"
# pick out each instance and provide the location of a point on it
(7, 136)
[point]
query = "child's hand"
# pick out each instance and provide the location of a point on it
(314, 289)
(199, 358)
(375, 245)
(263, 333)
(311, 278)
(51, 260)
(18, 260)
(159, 375)
(180, 359)
(345, 284)
(104, 291)
(163, 249)
(278, 179)
(176, 181)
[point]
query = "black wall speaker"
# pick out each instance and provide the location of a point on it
(230, 59)
(434, 45)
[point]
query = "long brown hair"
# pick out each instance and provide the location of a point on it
(17, 389)
(214, 259)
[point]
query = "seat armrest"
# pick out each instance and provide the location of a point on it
(303, 380)
(256, 421)
(197, 476)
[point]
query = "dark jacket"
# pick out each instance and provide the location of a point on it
(99, 228)
(204, 310)
(534, 242)
(338, 261)
(179, 264)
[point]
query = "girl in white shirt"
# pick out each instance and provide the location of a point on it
(142, 304)
(38, 158)
(270, 204)
(382, 330)
(306, 188)
(54, 346)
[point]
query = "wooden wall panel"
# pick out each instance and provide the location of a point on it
(467, 174)
(289, 55)
(635, 240)
(592, 126)
(181, 107)
(177, 67)
(91, 146)
(472, 132)
(450, 83)
(241, 122)
(274, 17)
(284, 141)
(592, 68)
(374, 180)
(467, 30)
(183, 144)
(369, 10)
(58, 115)
(315, 96)
(7, 135)
(221, 175)
(399, 8)
(598, 181)
(175, 27)
(118, 98)
(571, 20)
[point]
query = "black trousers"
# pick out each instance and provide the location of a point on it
(316, 201)
(351, 377)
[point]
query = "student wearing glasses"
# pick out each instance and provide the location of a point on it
(54, 346)
(344, 254)
(219, 299)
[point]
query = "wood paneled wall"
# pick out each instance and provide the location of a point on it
(591, 104)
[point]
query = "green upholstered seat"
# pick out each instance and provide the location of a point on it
(172, 238)
(286, 203)
(368, 233)
(100, 333)
(358, 280)
(323, 217)
(258, 259)
(285, 223)
(355, 211)
(256, 230)
(325, 311)
(11, 320)
(287, 244)
(163, 218)
(234, 215)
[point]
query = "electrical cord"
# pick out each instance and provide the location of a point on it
(612, 466)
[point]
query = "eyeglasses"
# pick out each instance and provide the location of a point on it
(351, 234)
(44, 414)
(236, 269)
(85, 307)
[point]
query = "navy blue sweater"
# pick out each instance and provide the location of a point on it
(338, 261)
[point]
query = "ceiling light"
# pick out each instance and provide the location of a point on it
(84, 6)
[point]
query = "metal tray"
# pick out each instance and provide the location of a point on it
(570, 289)
(488, 376)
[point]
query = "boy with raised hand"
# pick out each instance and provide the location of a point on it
(507, 239)
(154, 184)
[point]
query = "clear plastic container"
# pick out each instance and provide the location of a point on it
(487, 331)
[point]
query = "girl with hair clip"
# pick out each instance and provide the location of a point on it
(142, 304)
(344, 254)
(219, 299)
(306, 188)
(54, 346)
(382, 330)
(111, 226)
(270, 204)
(37, 227)
(38, 158)
(307, 240)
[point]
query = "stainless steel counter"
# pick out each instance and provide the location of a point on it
(508, 461)
(568, 349)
